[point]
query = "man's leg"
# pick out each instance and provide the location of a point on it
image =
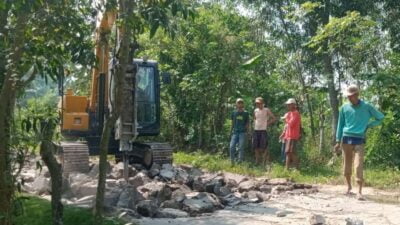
(359, 167)
(347, 164)
(242, 139)
(288, 154)
(232, 147)
(295, 157)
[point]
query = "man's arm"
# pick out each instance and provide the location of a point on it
(378, 117)
(339, 130)
(271, 117)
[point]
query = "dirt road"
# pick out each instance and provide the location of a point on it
(381, 208)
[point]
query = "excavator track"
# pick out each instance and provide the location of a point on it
(74, 157)
(161, 152)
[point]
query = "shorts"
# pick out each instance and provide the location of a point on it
(353, 154)
(260, 139)
(290, 145)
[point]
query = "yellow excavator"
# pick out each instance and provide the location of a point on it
(83, 117)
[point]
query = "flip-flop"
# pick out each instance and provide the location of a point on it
(349, 193)
(360, 197)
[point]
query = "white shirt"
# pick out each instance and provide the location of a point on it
(261, 119)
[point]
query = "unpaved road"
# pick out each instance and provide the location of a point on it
(330, 202)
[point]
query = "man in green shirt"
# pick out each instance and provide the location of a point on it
(354, 120)
(240, 125)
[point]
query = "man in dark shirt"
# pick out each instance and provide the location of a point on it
(240, 125)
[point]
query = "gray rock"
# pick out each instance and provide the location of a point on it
(84, 189)
(129, 197)
(28, 176)
(94, 171)
(127, 215)
(316, 220)
(111, 198)
(139, 179)
(147, 208)
(281, 188)
(236, 177)
(171, 213)
(167, 166)
(231, 200)
(279, 181)
(167, 174)
(265, 188)
(230, 183)
(118, 171)
(280, 213)
(198, 185)
(153, 172)
(78, 178)
(354, 221)
(197, 203)
(247, 186)
(156, 190)
(41, 185)
(111, 183)
(181, 176)
(171, 204)
(178, 195)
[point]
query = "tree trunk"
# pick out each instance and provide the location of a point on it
(8, 92)
(47, 149)
(321, 132)
(333, 96)
(329, 72)
(125, 8)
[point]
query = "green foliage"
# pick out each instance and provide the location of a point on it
(37, 211)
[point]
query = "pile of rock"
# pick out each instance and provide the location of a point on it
(165, 191)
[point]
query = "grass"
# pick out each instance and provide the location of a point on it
(37, 211)
(310, 172)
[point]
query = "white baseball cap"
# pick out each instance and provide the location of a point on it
(290, 101)
(351, 90)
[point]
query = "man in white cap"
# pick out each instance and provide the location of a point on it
(240, 126)
(291, 133)
(354, 120)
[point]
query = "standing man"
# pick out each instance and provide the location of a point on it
(240, 126)
(291, 133)
(354, 120)
(262, 118)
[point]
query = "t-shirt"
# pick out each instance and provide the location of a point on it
(239, 120)
(355, 119)
(261, 119)
(293, 124)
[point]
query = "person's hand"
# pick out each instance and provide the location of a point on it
(336, 149)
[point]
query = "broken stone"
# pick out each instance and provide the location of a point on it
(181, 176)
(178, 195)
(111, 198)
(94, 171)
(171, 213)
(236, 177)
(171, 204)
(80, 190)
(278, 181)
(197, 203)
(316, 220)
(354, 221)
(281, 214)
(231, 200)
(198, 185)
(221, 190)
(154, 170)
(139, 179)
(281, 188)
(156, 190)
(78, 178)
(41, 185)
(147, 208)
(265, 188)
(247, 186)
(129, 197)
(167, 174)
